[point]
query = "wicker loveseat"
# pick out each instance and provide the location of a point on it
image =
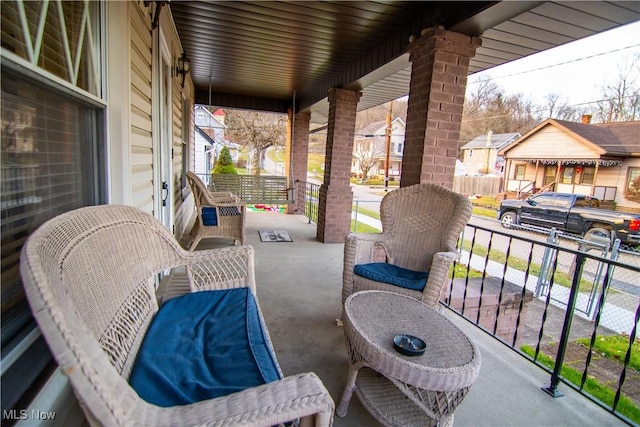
(90, 277)
(420, 227)
(219, 214)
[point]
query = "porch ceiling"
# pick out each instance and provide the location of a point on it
(266, 55)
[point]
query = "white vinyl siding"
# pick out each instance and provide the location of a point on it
(616, 176)
(552, 143)
(140, 109)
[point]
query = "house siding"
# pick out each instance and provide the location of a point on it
(616, 176)
(552, 143)
(477, 163)
(141, 123)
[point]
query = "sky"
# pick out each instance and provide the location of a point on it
(574, 71)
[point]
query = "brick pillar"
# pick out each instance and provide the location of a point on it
(297, 157)
(336, 197)
(439, 68)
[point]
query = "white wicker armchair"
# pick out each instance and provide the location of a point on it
(219, 214)
(90, 276)
(420, 228)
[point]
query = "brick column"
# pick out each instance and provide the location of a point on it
(439, 68)
(336, 197)
(297, 157)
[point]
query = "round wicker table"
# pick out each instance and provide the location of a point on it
(401, 390)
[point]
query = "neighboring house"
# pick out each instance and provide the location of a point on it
(209, 139)
(480, 155)
(369, 145)
(600, 160)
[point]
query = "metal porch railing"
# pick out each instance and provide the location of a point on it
(311, 196)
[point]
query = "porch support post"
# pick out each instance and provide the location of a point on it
(336, 197)
(558, 175)
(440, 64)
(595, 177)
(297, 157)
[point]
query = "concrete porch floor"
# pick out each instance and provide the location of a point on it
(299, 290)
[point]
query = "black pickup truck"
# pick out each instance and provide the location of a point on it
(572, 213)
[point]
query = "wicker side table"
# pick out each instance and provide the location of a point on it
(403, 390)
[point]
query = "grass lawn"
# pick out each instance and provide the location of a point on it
(591, 386)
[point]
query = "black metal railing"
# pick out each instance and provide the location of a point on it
(554, 301)
(310, 196)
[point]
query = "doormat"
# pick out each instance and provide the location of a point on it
(274, 236)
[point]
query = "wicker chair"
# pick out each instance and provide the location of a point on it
(420, 228)
(219, 214)
(90, 277)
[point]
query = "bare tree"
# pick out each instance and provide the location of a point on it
(368, 153)
(621, 97)
(558, 108)
(256, 131)
(379, 113)
(488, 107)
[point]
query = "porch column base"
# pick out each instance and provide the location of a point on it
(334, 213)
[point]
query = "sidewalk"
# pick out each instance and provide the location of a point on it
(365, 219)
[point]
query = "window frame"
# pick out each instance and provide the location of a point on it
(26, 359)
(633, 173)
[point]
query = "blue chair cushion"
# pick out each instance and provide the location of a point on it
(201, 346)
(393, 275)
(209, 216)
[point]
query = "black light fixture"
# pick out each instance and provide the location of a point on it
(183, 66)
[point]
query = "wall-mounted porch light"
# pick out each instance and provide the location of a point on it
(183, 66)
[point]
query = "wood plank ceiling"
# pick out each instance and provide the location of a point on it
(270, 55)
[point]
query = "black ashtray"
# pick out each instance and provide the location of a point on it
(409, 345)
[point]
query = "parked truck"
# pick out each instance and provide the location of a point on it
(572, 213)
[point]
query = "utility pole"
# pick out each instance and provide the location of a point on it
(388, 147)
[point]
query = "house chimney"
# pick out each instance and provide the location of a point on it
(489, 135)
(586, 119)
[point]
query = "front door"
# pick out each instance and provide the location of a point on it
(162, 174)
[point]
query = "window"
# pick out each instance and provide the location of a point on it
(470, 153)
(52, 154)
(633, 185)
(562, 201)
(59, 39)
(519, 173)
(568, 174)
(588, 175)
(543, 199)
(549, 174)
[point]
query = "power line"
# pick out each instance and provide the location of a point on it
(541, 109)
(491, 78)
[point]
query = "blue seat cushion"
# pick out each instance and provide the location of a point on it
(393, 275)
(201, 346)
(209, 216)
